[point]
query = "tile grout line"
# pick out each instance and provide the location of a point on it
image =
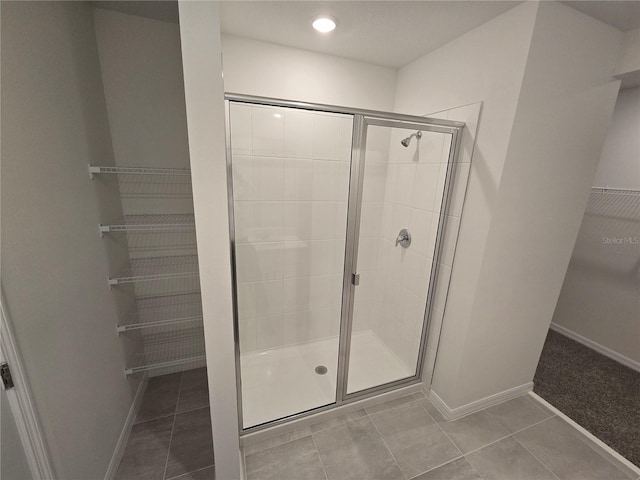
(505, 437)
(190, 410)
(385, 444)
(462, 455)
(152, 419)
(537, 459)
(189, 473)
(173, 426)
(537, 404)
(584, 434)
(438, 466)
(441, 429)
(520, 429)
(474, 468)
(277, 444)
(319, 457)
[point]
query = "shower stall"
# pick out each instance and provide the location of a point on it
(337, 217)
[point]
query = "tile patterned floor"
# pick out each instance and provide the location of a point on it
(408, 438)
(171, 436)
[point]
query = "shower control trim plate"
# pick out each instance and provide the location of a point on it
(404, 238)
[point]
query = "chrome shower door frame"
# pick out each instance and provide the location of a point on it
(362, 119)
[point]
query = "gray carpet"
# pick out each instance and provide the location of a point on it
(600, 394)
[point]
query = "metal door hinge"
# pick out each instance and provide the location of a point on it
(355, 278)
(7, 380)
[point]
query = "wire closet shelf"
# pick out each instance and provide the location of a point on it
(167, 315)
(152, 223)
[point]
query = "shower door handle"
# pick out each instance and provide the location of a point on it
(355, 279)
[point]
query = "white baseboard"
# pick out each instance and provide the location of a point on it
(607, 352)
(21, 403)
(118, 452)
(473, 407)
(634, 470)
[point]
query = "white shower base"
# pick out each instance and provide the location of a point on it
(281, 382)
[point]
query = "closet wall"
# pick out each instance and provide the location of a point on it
(141, 66)
(54, 265)
(600, 297)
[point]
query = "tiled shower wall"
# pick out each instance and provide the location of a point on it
(470, 115)
(405, 187)
(290, 189)
(290, 180)
(415, 181)
(402, 193)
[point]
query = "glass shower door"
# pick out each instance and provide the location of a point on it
(290, 169)
(401, 196)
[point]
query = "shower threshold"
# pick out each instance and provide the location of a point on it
(283, 381)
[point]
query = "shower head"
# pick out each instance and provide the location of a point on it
(405, 142)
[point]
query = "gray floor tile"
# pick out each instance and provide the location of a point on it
(518, 413)
(396, 402)
(334, 422)
(277, 440)
(194, 390)
(355, 450)
(473, 431)
(146, 453)
(567, 453)
(419, 395)
(414, 438)
(160, 397)
(208, 473)
(294, 460)
(430, 407)
(459, 469)
(191, 443)
(541, 405)
(508, 460)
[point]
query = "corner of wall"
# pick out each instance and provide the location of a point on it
(440, 81)
(566, 99)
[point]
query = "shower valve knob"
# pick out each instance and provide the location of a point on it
(404, 238)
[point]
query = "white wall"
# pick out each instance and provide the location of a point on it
(54, 264)
(257, 68)
(529, 183)
(600, 297)
(141, 68)
(469, 114)
(485, 65)
(628, 68)
(204, 95)
(619, 165)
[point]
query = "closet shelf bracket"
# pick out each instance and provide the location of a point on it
(97, 170)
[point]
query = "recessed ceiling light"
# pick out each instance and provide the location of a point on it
(324, 24)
